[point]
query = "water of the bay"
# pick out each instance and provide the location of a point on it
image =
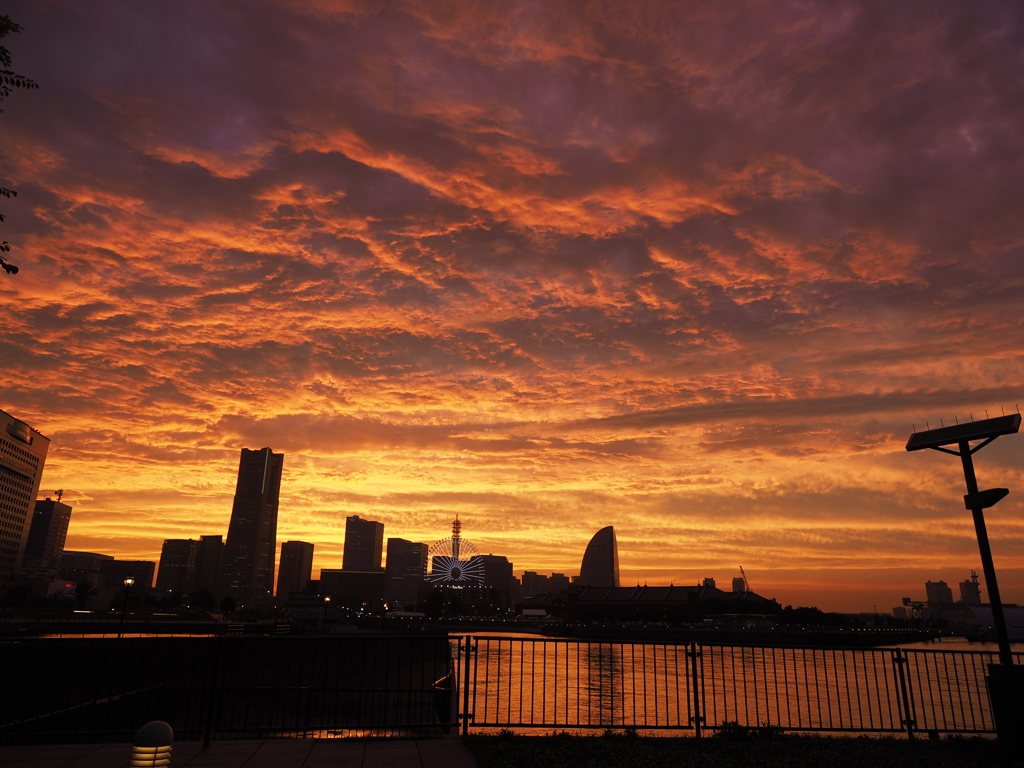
(542, 684)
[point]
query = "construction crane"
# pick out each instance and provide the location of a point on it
(746, 584)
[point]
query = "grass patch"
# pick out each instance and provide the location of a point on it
(734, 748)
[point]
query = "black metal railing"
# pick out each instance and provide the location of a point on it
(241, 687)
(545, 684)
(103, 690)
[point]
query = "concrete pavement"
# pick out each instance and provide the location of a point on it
(276, 753)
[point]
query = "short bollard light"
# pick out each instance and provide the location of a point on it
(152, 747)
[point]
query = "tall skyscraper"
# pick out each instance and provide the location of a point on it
(46, 536)
(296, 567)
(403, 572)
(364, 545)
(247, 572)
(22, 455)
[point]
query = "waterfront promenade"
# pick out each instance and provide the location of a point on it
(270, 753)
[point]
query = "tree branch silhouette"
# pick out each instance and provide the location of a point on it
(9, 79)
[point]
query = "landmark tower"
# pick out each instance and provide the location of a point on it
(247, 571)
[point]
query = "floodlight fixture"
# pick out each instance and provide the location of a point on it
(985, 430)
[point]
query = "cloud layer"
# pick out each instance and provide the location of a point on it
(692, 271)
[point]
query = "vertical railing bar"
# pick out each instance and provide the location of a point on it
(465, 686)
(817, 685)
(908, 718)
(921, 690)
(522, 671)
(749, 685)
(696, 708)
(675, 664)
(878, 691)
(578, 684)
(764, 683)
(844, 655)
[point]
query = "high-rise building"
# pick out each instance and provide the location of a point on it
(938, 593)
(296, 567)
(403, 572)
(600, 567)
(534, 583)
(358, 590)
(970, 591)
(83, 566)
(22, 455)
(247, 572)
(47, 535)
(116, 571)
(364, 545)
(209, 554)
(558, 582)
(498, 576)
(188, 566)
(177, 571)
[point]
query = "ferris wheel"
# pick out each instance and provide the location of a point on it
(455, 561)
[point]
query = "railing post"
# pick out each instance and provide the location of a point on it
(212, 695)
(696, 719)
(465, 688)
(899, 661)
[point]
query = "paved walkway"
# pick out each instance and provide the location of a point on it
(285, 753)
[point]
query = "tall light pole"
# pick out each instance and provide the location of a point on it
(1006, 683)
(128, 581)
(323, 620)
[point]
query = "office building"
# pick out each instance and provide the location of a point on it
(498, 576)
(177, 566)
(357, 590)
(600, 567)
(970, 591)
(938, 594)
(209, 554)
(247, 572)
(22, 455)
(188, 566)
(114, 572)
(403, 572)
(534, 583)
(83, 566)
(558, 582)
(364, 544)
(295, 568)
(46, 535)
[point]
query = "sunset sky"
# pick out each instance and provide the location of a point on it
(694, 270)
